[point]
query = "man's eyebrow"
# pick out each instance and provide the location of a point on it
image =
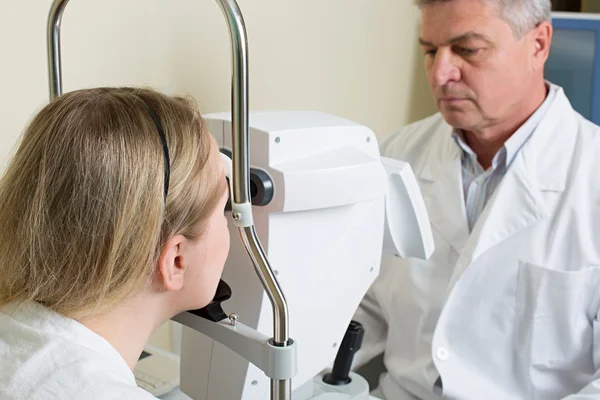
(460, 38)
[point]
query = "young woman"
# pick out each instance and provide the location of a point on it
(111, 222)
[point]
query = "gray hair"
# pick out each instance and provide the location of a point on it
(521, 15)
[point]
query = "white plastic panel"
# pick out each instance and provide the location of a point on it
(407, 227)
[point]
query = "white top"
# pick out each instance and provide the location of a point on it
(44, 355)
(511, 309)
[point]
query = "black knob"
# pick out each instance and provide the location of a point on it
(261, 186)
(340, 374)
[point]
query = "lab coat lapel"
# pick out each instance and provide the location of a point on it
(441, 182)
(516, 205)
(539, 167)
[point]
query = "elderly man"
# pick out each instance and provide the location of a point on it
(508, 305)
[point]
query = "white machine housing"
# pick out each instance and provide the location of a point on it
(323, 232)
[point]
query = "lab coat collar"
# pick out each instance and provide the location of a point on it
(552, 146)
(442, 187)
(541, 165)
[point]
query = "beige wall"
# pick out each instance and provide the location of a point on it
(354, 58)
(592, 6)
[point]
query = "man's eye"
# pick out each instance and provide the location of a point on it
(466, 51)
(430, 52)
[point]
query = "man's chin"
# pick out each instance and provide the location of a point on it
(458, 119)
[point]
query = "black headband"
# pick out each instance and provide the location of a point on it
(163, 140)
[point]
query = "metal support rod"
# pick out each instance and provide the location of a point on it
(239, 98)
(280, 389)
(53, 38)
(269, 282)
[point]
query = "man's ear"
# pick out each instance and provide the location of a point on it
(170, 268)
(542, 39)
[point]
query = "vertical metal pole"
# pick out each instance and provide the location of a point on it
(53, 43)
(280, 389)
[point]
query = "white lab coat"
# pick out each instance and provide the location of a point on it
(510, 311)
(46, 356)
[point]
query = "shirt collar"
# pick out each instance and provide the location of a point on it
(516, 140)
(499, 159)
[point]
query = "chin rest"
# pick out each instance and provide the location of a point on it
(213, 311)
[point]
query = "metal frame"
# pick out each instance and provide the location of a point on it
(280, 389)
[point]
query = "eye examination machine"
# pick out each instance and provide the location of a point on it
(312, 209)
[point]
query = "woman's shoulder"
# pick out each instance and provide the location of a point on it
(57, 372)
(42, 361)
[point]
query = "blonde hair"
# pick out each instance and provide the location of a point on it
(83, 215)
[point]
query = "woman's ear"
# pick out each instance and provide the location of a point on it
(170, 268)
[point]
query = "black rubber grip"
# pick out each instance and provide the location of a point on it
(340, 374)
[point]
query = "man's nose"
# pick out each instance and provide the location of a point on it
(445, 68)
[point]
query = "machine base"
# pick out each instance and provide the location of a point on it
(317, 389)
